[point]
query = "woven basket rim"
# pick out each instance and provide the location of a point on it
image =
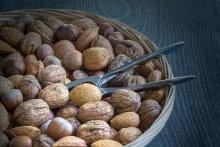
(159, 123)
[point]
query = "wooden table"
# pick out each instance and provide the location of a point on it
(195, 120)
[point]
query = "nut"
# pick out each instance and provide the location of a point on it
(146, 68)
(74, 122)
(29, 87)
(25, 18)
(32, 112)
(59, 128)
(85, 93)
(72, 60)
(4, 140)
(62, 47)
(5, 48)
(154, 75)
(99, 110)
(32, 132)
(148, 112)
(30, 43)
(78, 74)
(106, 29)
(14, 67)
(43, 141)
(44, 127)
(67, 111)
(5, 85)
(11, 99)
(94, 130)
(55, 95)
(124, 120)
(4, 121)
(124, 100)
(33, 66)
(24, 141)
(52, 22)
(52, 74)
(85, 38)
(16, 80)
(98, 73)
(134, 81)
(51, 60)
(106, 143)
(101, 41)
(95, 58)
(67, 81)
(43, 51)
(13, 36)
(84, 24)
(127, 135)
(70, 141)
(156, 94)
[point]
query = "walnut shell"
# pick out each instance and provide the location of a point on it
(70, 141)
(148, 112)
(51, 60)
(29, 87)
(117, 62)
(55, 95)
(84, 23)
(5, 85)
(43, 141)
(94, 130)
(99, 110)
(45, 32)
(78, 74)
(4, 121)
(85, 38)
(33, 112)
(156, 94)
(67, 111)
(124, 100)
(85, 93)
(129, 48)
(124, 120)
(106, 143)
(32, 132)
(52, 22)
(146, 68)
(52, 74)
(95, 58)
(32, 65)
(4, 140)
(72, 60)
(154, 75)
(16, 80)
(30, 43)
(127, 135)
(5, 48)
(62, 47)
(101, 41)
(13, 36)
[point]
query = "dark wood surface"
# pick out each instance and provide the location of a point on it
(195, 120)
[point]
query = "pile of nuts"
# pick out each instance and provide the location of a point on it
(39, 56)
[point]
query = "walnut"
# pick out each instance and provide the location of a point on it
(16, 80)
(61, 47)
(145, 68)
(154, 75)
(43, 141)
(5, 85)
(155, 94)
(127, 135)
(52, 74)
(4, 121)
(67, 111)
(49, 60)
(32, 65)
(29, 87)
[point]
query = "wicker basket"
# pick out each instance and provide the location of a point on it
(70, 15)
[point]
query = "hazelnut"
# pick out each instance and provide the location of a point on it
(43, 51)
(11, 99)
(78, 74)
(51, 60)
(59, 128)
(72, 60)
(85, 93)
(16, 80)
(70, 141)
(106, 29)
(44, 127)
(4, 140)
(127, 135)
(154, 75)
(33, 66)
(61, 47)
(67, 111)
(68, 32)
(95, 58)
(106, 143)
(74, 122)
(21, 141)
(43, 141)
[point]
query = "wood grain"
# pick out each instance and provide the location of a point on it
(196, 116)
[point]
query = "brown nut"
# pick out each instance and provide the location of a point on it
(74, 122)
(127, 135)
(52, 22)
(146, 68)
(43, 51)
(78, 74)
(98, 73)
(5, 85)
(5, 48)
(95, 58)
(84, 23)
(106, 143)
(29, 87)
(44, 127)
(68, 32)
(114, 37)
(59, 128)
(124, 120)
(67, 111)
(154, 75)
(70, 141)
(106, 29)
(99, 110)
(16, 80)
(4, 140)
(135, 80)
(156, 94)
(13, 36)
(43, 141)
(85, 38)
(14, 67)
(51, 60)
(30, 43)
(55, 95)
(27, 112)
(4, 121)
(148, 112)
(21, 141)
(94, 130)
(72, 60)
(124, 100)
(33, 66)
(101, 41)
(85, 93)
(52, 74)
(11, 99)
(62, 47)
(32, 132)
